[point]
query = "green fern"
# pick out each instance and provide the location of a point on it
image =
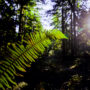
(21, 56)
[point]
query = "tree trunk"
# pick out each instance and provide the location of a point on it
(74, 28)
(20, 22)
(63, 29)
(72, 48)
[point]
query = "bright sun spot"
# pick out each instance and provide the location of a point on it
(88, 4)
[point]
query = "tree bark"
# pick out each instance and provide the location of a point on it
(20, 22)
(63, 28)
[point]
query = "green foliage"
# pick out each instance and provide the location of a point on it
(56, 19)
(20, 85)
(74, 82)
(58, 34)
(7, 22)
(78, 3)
(20, 55)
(32, 20)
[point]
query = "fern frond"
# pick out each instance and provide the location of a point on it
(20, 56)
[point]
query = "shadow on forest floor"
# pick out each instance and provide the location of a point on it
(71, 73)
